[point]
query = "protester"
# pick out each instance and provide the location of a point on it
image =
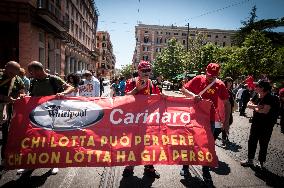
(239, 96)
(208, 87)
(44, 84)
(244, 100)
(25, 80)
(91, 85)
(115, 87)
(225, 131)
(74, 80)
(281, 110)
(11, 88)
(142, 85)
(263, 120)
(122, 84)
(102, 89)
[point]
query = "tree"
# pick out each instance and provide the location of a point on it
(263, 25)
(127, 71)
(257, 52)
(171, 61)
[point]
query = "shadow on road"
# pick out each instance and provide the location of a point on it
(222, 169)
(26, 180)
(193, 182)
(134, 181)
(233, 147)
(270, 178)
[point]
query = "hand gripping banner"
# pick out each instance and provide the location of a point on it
(130, 130)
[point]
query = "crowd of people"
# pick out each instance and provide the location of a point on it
(267, 106)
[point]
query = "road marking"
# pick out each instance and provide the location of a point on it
(66, 183)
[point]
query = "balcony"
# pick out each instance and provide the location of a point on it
(51, 12)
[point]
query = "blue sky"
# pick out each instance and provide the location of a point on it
(119, 17)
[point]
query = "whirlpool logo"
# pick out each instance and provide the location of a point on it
(64, 115)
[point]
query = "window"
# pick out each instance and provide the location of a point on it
(145, 58)
(146, 39)
(224, 44)
(161, 40)
(103, 44)
(72, 26)
(175, 33)
(41, 37)
(192, 34)
(216, 36)
(145, 48)
(216, 43)
(209, 36)
(104, 37)
(183, 34)
(183, 42)
(225, 37)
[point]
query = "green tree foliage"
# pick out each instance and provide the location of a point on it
(127, 71)
(195, 53)
(171, 61)
(264, 25)
(257, 52)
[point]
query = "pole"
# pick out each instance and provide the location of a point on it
(187, 37)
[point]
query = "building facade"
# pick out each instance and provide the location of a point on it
(106, 59)
(58, 33)
(151, 39)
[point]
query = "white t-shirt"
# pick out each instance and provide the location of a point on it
(90, 88)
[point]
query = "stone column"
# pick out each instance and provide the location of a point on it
(72, 63)
(67, 65)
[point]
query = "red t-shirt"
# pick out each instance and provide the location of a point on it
(131, 84)
(217, 91)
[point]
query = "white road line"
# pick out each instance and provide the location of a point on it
(67, 182)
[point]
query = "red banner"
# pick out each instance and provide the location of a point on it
(130, 130)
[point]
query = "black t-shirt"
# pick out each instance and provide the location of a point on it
(261, 118)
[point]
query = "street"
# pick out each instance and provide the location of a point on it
(228, 174)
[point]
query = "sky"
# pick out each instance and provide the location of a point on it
(119, 17)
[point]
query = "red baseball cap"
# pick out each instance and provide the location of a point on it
(213, 69)
(144, 65)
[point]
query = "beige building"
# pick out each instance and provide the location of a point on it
(58, 33)
(106, 60)
(151, 39)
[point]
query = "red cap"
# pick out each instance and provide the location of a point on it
(144, 65)
(281, 92)
(213, 69)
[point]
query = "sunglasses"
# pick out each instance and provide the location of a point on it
(146, 70)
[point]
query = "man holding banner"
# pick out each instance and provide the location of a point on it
(209, 87)
(142, 85)
(44, 84)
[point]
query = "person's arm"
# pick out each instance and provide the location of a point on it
(263, 109)
(67, 90)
